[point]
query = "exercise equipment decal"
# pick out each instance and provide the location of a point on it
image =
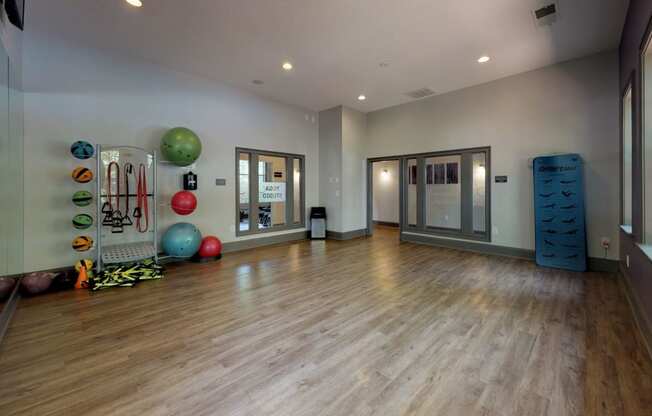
(559, 212)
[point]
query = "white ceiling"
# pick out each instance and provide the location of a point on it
(336, 46)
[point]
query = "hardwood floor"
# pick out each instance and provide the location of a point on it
(362, 327)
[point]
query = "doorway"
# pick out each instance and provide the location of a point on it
(383, 202)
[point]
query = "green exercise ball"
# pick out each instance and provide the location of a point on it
(181, 146)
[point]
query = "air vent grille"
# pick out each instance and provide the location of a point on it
(545, 11)
(546, 15)
(420, 93)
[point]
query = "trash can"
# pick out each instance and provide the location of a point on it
(318, 223)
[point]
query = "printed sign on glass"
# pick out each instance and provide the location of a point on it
(271, 192)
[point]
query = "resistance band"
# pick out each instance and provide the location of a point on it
(141, 200)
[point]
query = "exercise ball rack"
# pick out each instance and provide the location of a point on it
(130, 246)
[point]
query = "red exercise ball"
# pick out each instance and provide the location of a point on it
(210, 247)
(184, 202)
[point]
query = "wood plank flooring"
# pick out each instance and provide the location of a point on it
(363, 327)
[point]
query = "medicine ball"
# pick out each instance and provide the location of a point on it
(184, 202)
(82, 198)
(87, 263)
(82, 221)
(82, 174)
(82, 150)
(37, 282)
(82, 243)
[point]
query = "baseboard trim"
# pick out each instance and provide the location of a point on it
(464, 245)
(642, 322)
(387, 223)
(248, 244)
(8, 310)
(594, 264)
(348, 235)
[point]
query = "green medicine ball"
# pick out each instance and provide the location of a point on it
(181, 146)
(82, 198)
(82, 221)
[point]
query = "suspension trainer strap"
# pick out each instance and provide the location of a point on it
(129, 170)
(110, 196)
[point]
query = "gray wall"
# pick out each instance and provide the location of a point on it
(330, 166)
(570, 107)
(342, 168)
(354, 205)
(11, 150)
(639, 271)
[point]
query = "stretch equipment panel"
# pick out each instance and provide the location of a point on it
(559, 212)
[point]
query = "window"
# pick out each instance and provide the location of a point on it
(276, 200)
(244, 191)
(627, 158)
(479, 192)
(443, 192)
(448, 193)
(297, 168)
(646, 61)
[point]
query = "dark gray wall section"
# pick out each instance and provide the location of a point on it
(639, 274)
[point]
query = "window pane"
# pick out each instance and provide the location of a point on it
(271, 191)
(412, 178)
(479, 184)
(647, 139)
(243, 174)
(443, 192)
(627, 158)
(296, 166)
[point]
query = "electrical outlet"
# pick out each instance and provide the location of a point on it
(605, 243)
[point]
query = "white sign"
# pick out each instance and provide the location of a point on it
(271, 192)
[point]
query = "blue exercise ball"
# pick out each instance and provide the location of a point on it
(182, 240)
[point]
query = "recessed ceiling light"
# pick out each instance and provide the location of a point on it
(484, 59)
(287, 66)
(362, 97)
(135, 3)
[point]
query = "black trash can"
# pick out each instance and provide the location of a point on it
(318, 223)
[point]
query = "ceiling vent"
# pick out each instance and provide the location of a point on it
(420, 93)
(546, 15)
